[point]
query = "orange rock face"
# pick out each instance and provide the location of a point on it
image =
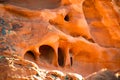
(81, 36)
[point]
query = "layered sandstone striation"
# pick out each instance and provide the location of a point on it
(77, 36)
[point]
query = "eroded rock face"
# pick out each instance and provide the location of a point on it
(81, 36)
(12, 68)
(15, 68)
(102, 75)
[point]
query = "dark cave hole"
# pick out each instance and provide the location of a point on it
(29, 55)
(71, 61)
(60, 57)
(66, 18)
(71, 58)
(46, 53)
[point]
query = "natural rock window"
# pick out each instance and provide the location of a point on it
(29, 55)
(46, 53)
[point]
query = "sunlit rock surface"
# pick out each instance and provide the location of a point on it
(73, 36)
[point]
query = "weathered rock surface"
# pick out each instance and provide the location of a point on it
(15, 68)
(102, 75)
(79, 36)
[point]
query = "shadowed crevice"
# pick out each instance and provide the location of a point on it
(60, 57)
(67, 18)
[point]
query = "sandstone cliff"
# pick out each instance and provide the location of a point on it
(73, 36)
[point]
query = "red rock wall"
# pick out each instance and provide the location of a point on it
(81, 36)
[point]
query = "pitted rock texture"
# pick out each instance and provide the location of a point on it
(12, 68)
(81, 36)
(15, 68)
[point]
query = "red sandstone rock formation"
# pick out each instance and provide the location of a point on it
(81, 36)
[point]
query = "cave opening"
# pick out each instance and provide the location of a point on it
(60, 57)
(29, 55)
(46, 53)
(66, 18)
